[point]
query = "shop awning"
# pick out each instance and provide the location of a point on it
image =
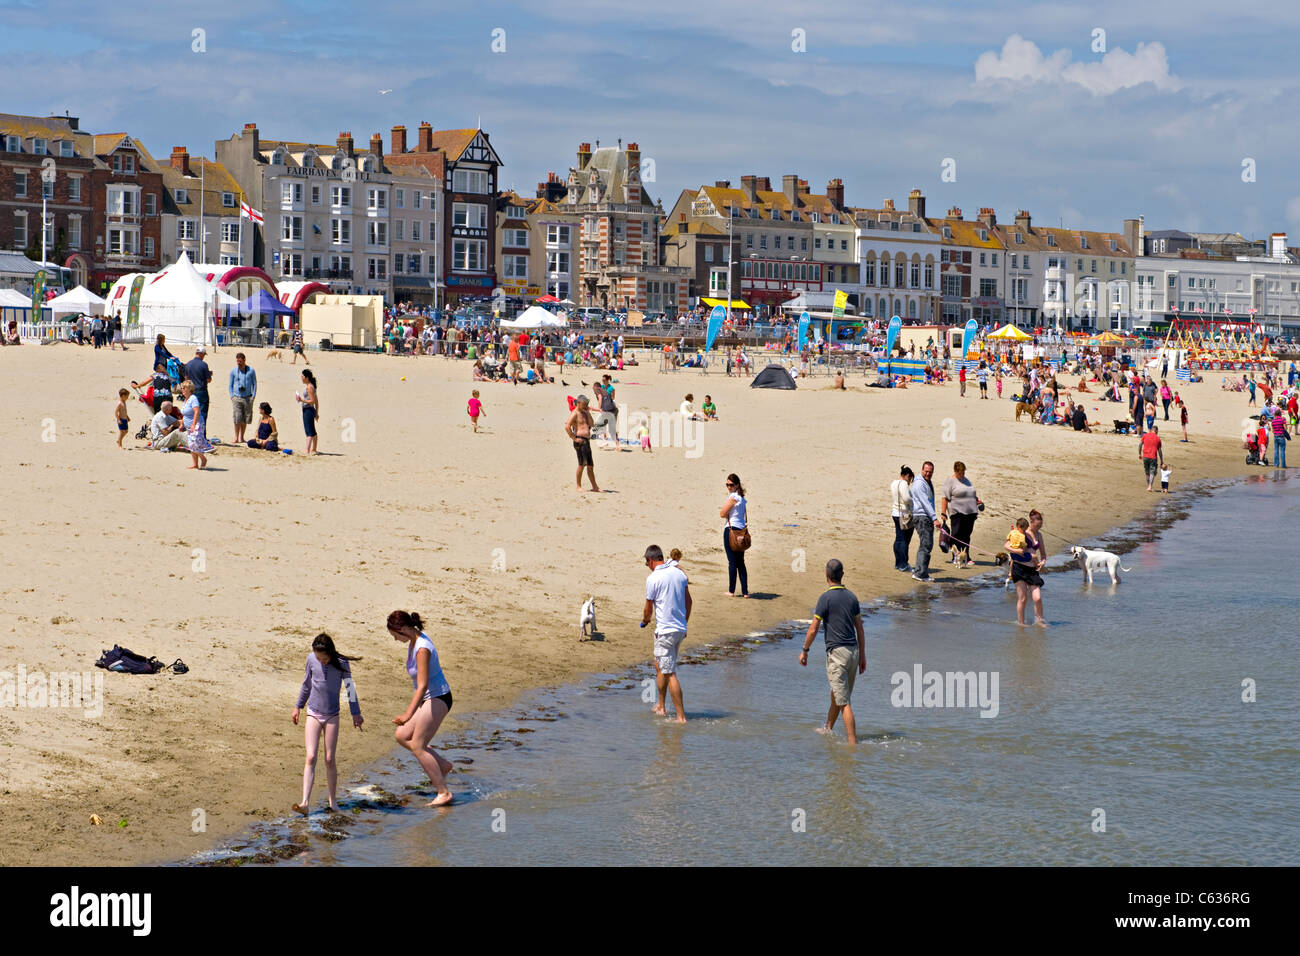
(735, 303)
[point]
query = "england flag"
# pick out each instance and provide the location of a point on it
(248, 212)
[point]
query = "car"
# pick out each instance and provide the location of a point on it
(590, 314)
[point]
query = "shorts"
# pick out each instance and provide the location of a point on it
(667, 645)
(1150, 466)
(298, 349)
(841, 671)
(1021, 571)
(515, 366)
(645, 442)
(122, 424)
(243, 409)
(309, 420)
(321, 717)
(583, 447)
(984, 386)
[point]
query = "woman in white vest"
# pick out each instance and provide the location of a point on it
(900, 492)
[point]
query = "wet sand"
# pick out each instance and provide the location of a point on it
(235, 570)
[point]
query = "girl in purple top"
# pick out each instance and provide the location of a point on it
(430, 702)
(328, 671)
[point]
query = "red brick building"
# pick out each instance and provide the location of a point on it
(30, 145)
(466, 165)
(127, 203)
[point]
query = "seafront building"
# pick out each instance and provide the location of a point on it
(1175, 276)
(616, 248)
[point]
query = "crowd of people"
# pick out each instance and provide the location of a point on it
(183, 425)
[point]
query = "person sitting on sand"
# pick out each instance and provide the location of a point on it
(267, 434)
(709, 409)
(12, 337)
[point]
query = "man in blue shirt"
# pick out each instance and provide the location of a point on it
(925, 520)
(197, 371)
(243, 389)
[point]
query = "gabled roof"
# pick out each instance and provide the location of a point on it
(106, 143)
(967, 233)
(603, 179)
(435, 164)
(51, 128)
(1069, 240)
(212, 176)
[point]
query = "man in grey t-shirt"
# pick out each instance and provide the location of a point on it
(840, 614)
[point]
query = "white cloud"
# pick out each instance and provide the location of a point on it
(1021, 61)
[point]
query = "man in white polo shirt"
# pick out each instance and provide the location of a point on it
(668, 597)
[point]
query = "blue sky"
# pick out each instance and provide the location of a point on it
(880, 95)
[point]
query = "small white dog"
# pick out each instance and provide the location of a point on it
(587, 618)
(1092, 561)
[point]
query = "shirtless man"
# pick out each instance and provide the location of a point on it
(578, 428)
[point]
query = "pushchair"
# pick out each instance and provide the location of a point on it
(1252, 451)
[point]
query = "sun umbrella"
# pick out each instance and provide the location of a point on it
(1009, 333)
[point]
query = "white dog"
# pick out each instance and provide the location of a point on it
(587, 618)
(1091, 561)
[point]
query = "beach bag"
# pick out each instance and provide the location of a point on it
(739, 539)
(945, 537)
(128, 662)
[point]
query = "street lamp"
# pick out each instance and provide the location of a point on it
(47, 179)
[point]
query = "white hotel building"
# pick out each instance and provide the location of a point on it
(1222, 288)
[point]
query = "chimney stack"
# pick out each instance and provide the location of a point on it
(722, 183)
(584, 155)
(790, 188)
(954, 212)
(749, 185)
(377, 145)
(424, 139)
(763, 183)
(988, 217)
(250, 129)
(634, 195)
(1022, 220)
(399, 139)
(916, 203)
(181, 160)
(344, 142)
(835, 193)
(1277, 245)
(887, 206)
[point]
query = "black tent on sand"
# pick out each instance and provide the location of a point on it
(774, 376)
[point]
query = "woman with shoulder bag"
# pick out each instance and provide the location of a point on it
(735, 536)
(901, 494)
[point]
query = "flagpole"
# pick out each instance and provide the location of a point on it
(202, 225)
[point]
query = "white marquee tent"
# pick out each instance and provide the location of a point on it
(13, 299)
(535, 317)
(79, 300)
(180, 304)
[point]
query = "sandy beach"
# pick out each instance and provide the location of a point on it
(236, 569)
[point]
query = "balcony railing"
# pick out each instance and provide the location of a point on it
(326, 274)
